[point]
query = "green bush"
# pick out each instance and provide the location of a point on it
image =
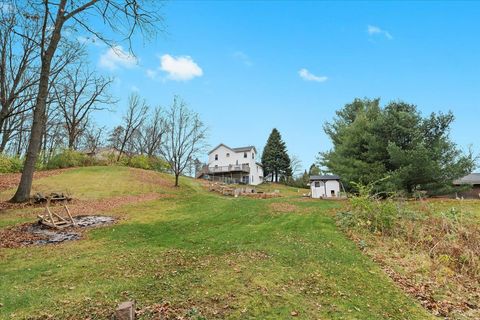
(159, 164)
(371, 212)
(69, 158)
(145, 162)
(140, 161)
(10, 164)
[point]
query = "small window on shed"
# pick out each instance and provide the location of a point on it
(216, 157)
(317, 184)
(253, 155)
(228, 155)
(244, 154)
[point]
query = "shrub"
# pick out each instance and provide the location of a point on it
(159, 164)
(370, 212)
(10, 164)
(145, 162)
(139, 161)
(69, 158)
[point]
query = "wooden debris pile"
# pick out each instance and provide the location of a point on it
(51, 218)
(246, 191)
(54, 197)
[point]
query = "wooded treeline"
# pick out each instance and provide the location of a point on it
(49, 93)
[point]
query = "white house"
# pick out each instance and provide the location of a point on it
(232, 165)
(325, 186)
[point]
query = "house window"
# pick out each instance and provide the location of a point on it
(228, 155)
(317, 184)
(244, 154)
(253, 155)
(216, 157)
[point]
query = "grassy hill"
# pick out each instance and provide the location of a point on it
(190, 253)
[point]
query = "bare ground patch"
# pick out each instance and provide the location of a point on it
(21, 235)
(284, 207)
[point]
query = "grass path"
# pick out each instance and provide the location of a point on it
(208, 256)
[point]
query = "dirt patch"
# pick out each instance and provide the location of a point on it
(38, 234)
(282, 207)
(11, 180)
(285, 207)
(22, 235)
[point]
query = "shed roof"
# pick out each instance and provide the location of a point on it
(472, 179)
(325, 177)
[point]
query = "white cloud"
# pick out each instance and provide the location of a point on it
(373, 30)
(116, 57)
(242, 57)
(152, 74)
(135, 88)
(308, 76)
(181, 68)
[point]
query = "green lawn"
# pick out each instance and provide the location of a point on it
(209, 256)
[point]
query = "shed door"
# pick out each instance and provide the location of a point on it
(317, 189)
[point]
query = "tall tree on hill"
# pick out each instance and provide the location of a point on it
(121, 17)
(414, 152)
(132, 121)
(78, 94)
(184, 138)
(275, 159)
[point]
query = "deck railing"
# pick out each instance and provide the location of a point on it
(226, 169)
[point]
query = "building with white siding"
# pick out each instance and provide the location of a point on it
(232, 165)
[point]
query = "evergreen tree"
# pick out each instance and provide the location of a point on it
(275, 159)
(415, 152)
(314, 170)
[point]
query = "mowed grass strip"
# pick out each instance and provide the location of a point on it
(209, 256)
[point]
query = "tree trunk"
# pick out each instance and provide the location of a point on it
(176, 179)
(25, 185)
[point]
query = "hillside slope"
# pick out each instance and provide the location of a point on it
(189, 254)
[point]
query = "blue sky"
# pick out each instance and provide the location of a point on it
(247, 67)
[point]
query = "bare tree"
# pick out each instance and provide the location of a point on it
(124, 17)
(149, 136)
(79, 94)
(133, 119)
(296, 165)
(93, 138)
(185, 137)
(18, 56)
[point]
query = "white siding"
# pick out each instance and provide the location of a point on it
(318, 188)
(224, 156)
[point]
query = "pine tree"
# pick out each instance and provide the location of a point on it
(275, 159)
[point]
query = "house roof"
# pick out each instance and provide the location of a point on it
(243, 149)
(472, 179)
(240, 149)
(325, 177)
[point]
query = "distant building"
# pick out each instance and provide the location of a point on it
(232, 165)
(325, 186)
(472, 180)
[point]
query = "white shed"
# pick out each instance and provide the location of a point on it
(325, 186)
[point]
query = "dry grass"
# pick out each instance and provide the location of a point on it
(432, 252)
